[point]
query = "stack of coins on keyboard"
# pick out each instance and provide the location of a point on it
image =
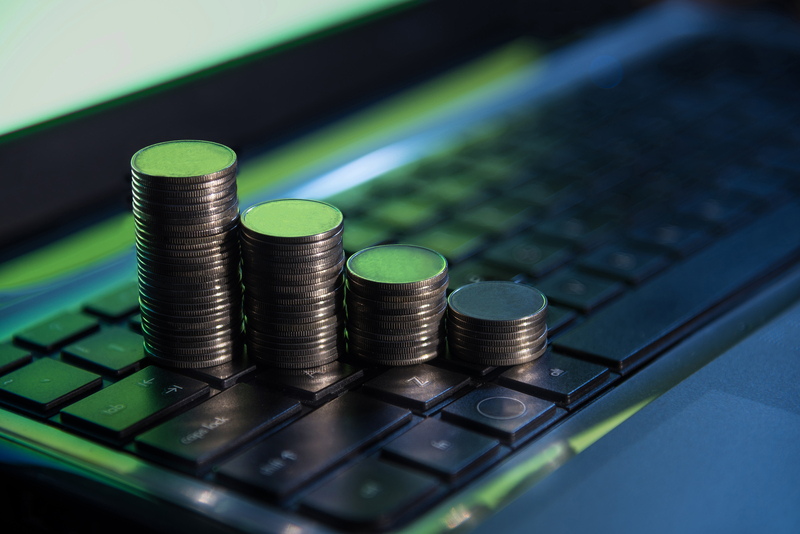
(186, 215)
(292, 269)
(497, 323)
(396, 302)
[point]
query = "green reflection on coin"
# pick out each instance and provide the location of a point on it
(292, 218)
(183, 159)
(397, 264)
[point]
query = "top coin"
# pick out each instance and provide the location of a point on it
(497, 303)
(184, 161)
(291, 220)
(397, 267)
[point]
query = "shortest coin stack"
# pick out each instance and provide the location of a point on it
(396, 301)
(497, 323)
(293, 275)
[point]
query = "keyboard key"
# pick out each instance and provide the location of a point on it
(621, 336)
(478, 271)
(464, 190)
(114, 351)
(723, 209)
(225, 375)
(117, 304)
(297, 454)
(581, 291)
(530, 254)
(417, 387)
(678, 237)
(358, 199)
(753, 181)
(218, 425)
(558, 318)
(441, 448)
(55, 333)
(624, 262)
(46, 384)
(316, 383)
(553, 196)
(555, 377)
(448, 361)
(500, 412)
(371, 494)
(584, 230)
(454, 240)
(135, 323)
(134, 403)
(12, 357)
(500, 215)
(407, 213)
(362, 233)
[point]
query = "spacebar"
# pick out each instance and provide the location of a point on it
(657, 314)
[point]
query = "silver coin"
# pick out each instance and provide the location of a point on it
(458, 347)
(497, 304)
(309, 356)
(335, 299)
(254, 243)
(466, 340)
(397, 267)
(185, 190)
(481, 338)
(191, 364)
(358, 303)
(500, 359)
(321, 358)
(457, 323)
(382, 293)
(181, 211)
(380, 358)
(396, 335)
(287, 221)
(179, 201)
(319, 325)
(369, 316)
(409, 300)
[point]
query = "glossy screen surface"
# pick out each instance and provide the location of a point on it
(61, 57)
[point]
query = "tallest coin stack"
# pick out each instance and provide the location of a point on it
(186, 215)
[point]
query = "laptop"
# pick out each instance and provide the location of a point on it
(640, 168)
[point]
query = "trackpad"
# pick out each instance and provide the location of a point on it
(724, 460)
(720, 452)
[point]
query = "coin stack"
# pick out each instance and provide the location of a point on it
(292, 269)
(497, 323)
(396, 302)
(186, 217)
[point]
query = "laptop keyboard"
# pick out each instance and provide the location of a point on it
(642, 211)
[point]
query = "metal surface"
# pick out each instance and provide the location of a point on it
(184, 324)
(293, 274)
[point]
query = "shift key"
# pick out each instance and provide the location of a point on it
(134, 403)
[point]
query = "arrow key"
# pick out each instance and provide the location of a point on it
(417, 387)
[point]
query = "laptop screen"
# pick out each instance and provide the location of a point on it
(59, 58)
